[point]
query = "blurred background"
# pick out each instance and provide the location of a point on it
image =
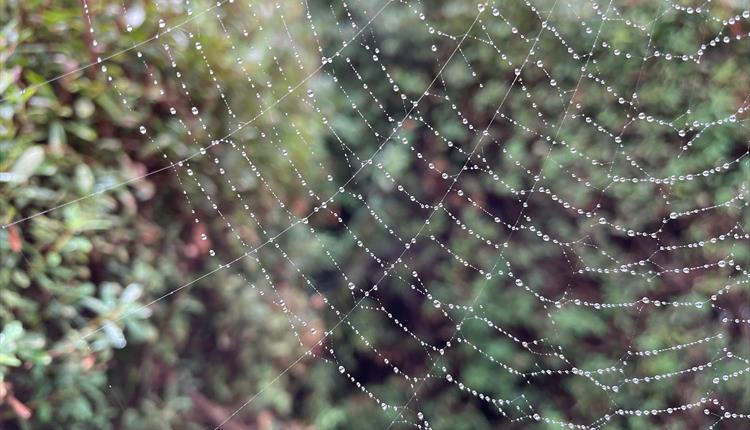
(374, 214)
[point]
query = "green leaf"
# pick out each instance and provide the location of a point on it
(38, 357)
(84, 178)
(9, 360)
(83, 131)
(27, 164)
(114, 334)
(11, 333)
(131, 293)
(57, 137)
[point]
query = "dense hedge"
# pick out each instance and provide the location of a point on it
(74, 280)
(109, 322)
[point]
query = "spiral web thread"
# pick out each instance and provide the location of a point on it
(662, 269)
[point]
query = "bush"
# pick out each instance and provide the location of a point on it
(170, 252)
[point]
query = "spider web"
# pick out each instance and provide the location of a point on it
(451, 164)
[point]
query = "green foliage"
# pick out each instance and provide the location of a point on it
(78, 281)
(109, 319)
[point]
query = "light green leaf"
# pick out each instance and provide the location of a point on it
(11, 332)
(57, 137)
(84, 178)
(27, 164)
(9, 360)
(114, 334)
